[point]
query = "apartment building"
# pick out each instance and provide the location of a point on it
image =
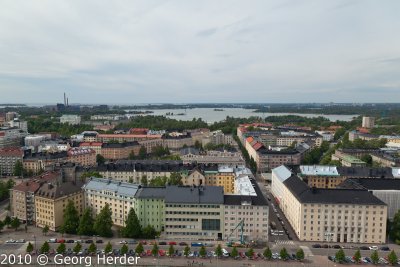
(196, 177)
(36, 163)
(386, 189)
(118, 195)
(82, 156)
(269, 159)
(96, 146)
(251, 211)
(189, 155)
(176, 142)
(150, 206)
(9, 156)
(347, 160)
(194, 213)
(121, 138)
(116, 151)
(134, 170)
(355, 216)
(11, 137)
(151, 143)
(70, 119)
(220, 176)
(386, 159)
(51, 200)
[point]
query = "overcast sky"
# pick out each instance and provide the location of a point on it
(199, 51)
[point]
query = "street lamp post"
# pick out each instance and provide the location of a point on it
(328, 236)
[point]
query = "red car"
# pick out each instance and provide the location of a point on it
(143, 242)
(60, 240)
(148, 252)
(161, 253)
(172, 243)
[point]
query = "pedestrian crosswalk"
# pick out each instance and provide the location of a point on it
(307, 251)
(285, 242)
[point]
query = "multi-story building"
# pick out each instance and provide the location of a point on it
(269, 159)
(176, 142)
(17, 123)
(249, 210)
(11, 137)
(150, 207)
(96, 146)
(51, 200)
(36, 163)
(118, 195)
(151, 143)
(189, 155)
(194, 213)
(220, 176)
(8, 158)
(70, 119)
(348, 160)
(82, 156)
(368, 122)
(344, 215)
(386, 159)
(386, 189)
(106, 138)
(22, 196)
(115, 151)
(134, 170)
(196, 177)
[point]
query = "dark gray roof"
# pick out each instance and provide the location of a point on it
(362, 172)
(189, 150)
(54, 190)
(258, 200)
(306, 194)
(371, 184)
(195, 195)
(120, 145)
(274, 152)
(38, 156)
(151, 192)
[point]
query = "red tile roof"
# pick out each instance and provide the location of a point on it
(11, 151)
(90, 144)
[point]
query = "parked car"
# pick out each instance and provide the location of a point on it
(172, 243)
(99, 241)
(162, 243)
(123, 242)
(89, 241)
(60, 240)
(336, 247)
(161, 253)
(182, 244)
(316, 246)
(52, 240)
(364, 248)
(373, 248)
(70, 241)
(385, 248)
(132, 242)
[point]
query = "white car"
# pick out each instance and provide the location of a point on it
(123, 242)
(10, 241)
(373, 248)
(20, 241)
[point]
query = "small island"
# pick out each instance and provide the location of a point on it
(218, 109)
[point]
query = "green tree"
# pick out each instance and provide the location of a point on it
(131, 155)
(149, 232)
(234, 253)
(103, 222)
(340, 256)
(175, 179)
(154, 250)
(144, 180)
(7, 221)
(18, 168)
(15, 223)
(357, 256)
(250, 253)
(142, 153)
(392, 258)
(29, 248)
(45, 230)
(77, 247)
(284, 254)
(132, 225)
(71, 218)
(218, 251)
(375, 257)
(159, 181)
(267, 253)
(139, 249)
(45, 248)
(171, 250)
(300, 254)
(367, 159)
(61, 248)
(108, 248)
(86, 223)
(186, 251)
(90, 174)
(124, 249)
(197, 144)
(92, 248)
(100, 159)
(394, 232)
(202, 252)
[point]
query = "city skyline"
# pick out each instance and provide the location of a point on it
(197, 52)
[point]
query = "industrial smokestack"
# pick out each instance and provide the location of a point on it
(65, 103)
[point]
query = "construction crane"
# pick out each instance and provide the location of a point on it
(241, 225)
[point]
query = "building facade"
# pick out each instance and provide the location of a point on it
(8, 158)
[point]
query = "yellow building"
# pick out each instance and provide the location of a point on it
(223, 176)
(51, 200)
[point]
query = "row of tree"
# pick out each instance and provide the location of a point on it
(133, 228)
(9, 222)
(340, 257)
(5, 189)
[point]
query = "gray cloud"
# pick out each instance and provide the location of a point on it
(199, 51)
